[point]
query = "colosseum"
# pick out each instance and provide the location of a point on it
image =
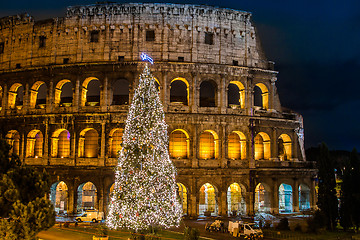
(66, 85)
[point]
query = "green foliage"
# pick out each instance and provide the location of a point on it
(350, 193)
(191, 233)
(23, 210)
(316, 222)
(102, 230)
(283, 224)
(327, 200)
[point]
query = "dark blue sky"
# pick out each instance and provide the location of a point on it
(316, 49)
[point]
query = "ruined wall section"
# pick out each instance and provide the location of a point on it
(180, 32)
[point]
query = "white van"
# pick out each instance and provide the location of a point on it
(91, 215)
(245, 230)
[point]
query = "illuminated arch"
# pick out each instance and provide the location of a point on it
(262, 198)
(179, 88)
(84, 90)
(88, 143)
(1, 97)
(240, 101)
(15, 95)
(284, 147)
(13, 139)
(304, 197)
(34, 93)
(208, 200)
(208, 147)
(59, 99)
(179, 144)
(237, 145)
(208, 91)
(285, 198)
(59, 197)
(34, 144)
(236, 200)
(87, 196)
(115, 140)
(262, 146)
(60, 143)
(264, 95)
(182, 191)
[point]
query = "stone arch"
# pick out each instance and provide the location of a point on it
(120, 92)
(236, 94)
(60, 143)
(34, 144)
(59, 197)
(38, 93)
(208, 145)
(87, 196)
(304, 197)
(208, 94)
(236, 199)
(179, 91)
(208, 200)
(64, 93)
(88, 143)
(261, 96)
(237, 145)
(16, 96)
(179, 144)
(183, 195)
(284, 147)
(1, 97)
(13, 139)
(115, 140)
(285, 198)
(262, 198)
(90, 92)
(262, 146)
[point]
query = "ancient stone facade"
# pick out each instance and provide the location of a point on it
(205, 57)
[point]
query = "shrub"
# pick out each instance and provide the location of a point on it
(191, 233)
(283, 224)
(316, 222)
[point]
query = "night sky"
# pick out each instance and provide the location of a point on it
(316, 49)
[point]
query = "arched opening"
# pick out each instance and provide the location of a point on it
(182, 191)
(87, 196)
(304, 197)
(179, 144)
(60, 143)
(179, 91)
(284, 147)
(261, 96)
(115, 140)
(88, 143)
(16, 96)
(237, 145)
(235, 200)
(157, 84)
(38, 93)
(236, 95)
(262, 146)
(59, 197)
(1, 97)
(64, 93)
(208, 148)
(262, 199)
(90, 94)
(34, 145)
(208, 94)
(285, 198)
(120, 92)
(208, 200)
(13, 139)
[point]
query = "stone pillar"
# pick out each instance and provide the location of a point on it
(76, 95)
(50, 97)
(250, 196)
(222, 95)
(274, 197)
(4, 101)
(296, 195)
(46, 141)
(313, 197)
(193, 200)
(195, 146)
(104, 95)
(222, 203)
(166, 90)
(249, 101)
(273, 145)
(72, 199)
(272, 92)
(26, 99)
(100, 199)
(222, 146)
(294, 148)
(102, 145)
(23, 146)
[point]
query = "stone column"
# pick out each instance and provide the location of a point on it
(72, 199)
(76, 95)
(4, 101)
(249, 101)
(273, 145)
(274, 197)
(195, 146)
(272, 92)
(294, 148)
(50, 97)
(222, 95)
(222, 146)
(222, 203)
(295, 195)
(104, 95)
(102, 145)
(26, 99)
(313, 197)
(166, 90)
(46, 141)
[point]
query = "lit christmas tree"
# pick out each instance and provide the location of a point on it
(145, 188)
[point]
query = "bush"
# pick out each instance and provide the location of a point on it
(283, 224)
(191, 233)
(316, 222)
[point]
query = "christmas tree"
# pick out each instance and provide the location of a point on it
(144, 195)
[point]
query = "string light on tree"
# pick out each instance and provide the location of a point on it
(145, 188)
